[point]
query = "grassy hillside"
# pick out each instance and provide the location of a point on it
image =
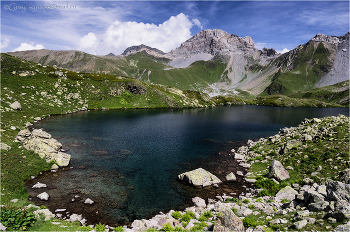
(301, 70)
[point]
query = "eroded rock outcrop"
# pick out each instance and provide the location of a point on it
(41, 142)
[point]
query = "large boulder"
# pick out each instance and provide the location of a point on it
(286, 193)
(277, 171)
(199, 178)
(338, 191)
(228, 221)
(47, 213)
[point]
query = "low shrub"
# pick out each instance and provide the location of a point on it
(119, 228)
(250, 222)
(167, 227)
(176, 214)
(16, 218)
(100, 227)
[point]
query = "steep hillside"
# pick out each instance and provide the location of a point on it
(310, 64)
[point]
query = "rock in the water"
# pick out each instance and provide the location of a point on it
(88, 201)
(43, 196)
(199, 202)
(286, 193)
(228, 221)
(277, 171)
(199, 178)
(231, 177)
(39, 185)
(16, 106)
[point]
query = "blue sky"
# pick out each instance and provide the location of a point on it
(111, 26)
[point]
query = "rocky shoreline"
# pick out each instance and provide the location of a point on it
(323, 203)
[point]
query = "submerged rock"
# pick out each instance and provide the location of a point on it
(199, 178)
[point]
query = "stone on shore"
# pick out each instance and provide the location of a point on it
(199, 178)
(228, 221)
(199, 202)
(277, 171)
(41, 142)
(48, 215)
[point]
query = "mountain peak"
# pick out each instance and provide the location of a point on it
(143, 48)
(213, 42)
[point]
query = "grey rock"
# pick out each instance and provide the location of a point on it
(231, 177)
(344, 176)
(39, 185)
(277, 171)
(244, 212)
(75, 217)
(48, 215)
(89, 201)
(342, 228)
(302, 214)
(338, 191)
(199, 178)
(286, 193)
(199, 202)
(5, 146)
(300, 224)
(16, 106)
(43, 196)
(228, 221)
(318, 206)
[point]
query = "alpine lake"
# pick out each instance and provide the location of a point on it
(127, 161)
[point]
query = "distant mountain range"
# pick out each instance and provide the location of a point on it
(218, 63)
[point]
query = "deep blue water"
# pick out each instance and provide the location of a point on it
(128, 160)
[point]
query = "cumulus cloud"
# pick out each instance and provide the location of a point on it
(197, 23)
(121, 35)
(284, 50)
(4, 43)
(25, 47)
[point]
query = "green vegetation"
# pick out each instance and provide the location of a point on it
(16, 218)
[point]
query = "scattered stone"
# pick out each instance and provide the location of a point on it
(199, 178)
(277, 171)
(43, 196)
(14, 200)
(88, 201)
(39, 185)
(231, 177)
(5, 146)
(16, 106)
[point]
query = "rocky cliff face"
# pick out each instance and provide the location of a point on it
(214, 42)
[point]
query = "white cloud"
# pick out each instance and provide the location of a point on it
(4, 43)
(120, 35)
(197, 23)
(284, 50)
(260, 46)
(25, 47)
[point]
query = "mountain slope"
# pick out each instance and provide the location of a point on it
(218, 63)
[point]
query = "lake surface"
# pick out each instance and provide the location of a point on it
(127, 161)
